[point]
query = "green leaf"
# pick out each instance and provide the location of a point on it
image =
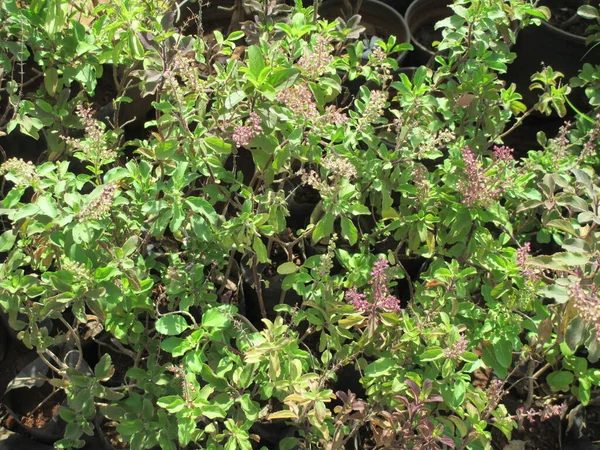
(324, 228)
(51, 80)
(571, 259)
(283, 78)
(47, 206)
(217, 145)
(102, 369)
(106, 273)
(432, 354)
(454, 394)
(172, 403)
(201, 206)
(26, 211)
(490, 360)
(164, 440)
(503, 352)
(575, 335)
(171, 325)
(130, 427)
(287, 268)
(560, 379)
(166, 149)
(170, 344)
(213, 412)
(255, 60)
(588, 12)
(185, 427)
(250, 408)
(349, 231)
(288, 443)
(259, 248)
(7, 240)
(234, 98)
(380, 367)
(130, 245)
(215, 318)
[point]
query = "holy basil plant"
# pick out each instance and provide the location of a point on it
(302, 246)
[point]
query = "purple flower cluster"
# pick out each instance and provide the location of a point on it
(244, 133)
(457, 349)
(333, 115)
(477, 188)
(544, 414)
(315, 63)
(300, 100)
(523, 253)
(94, 147)
(503, 154)
(379, 292)
(100, 206)
(494, 393)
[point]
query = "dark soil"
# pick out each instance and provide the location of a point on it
(426, 35)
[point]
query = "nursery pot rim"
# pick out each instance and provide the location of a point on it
(417, 6)
(388, 11)
(565, 34)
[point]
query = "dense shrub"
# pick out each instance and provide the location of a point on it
(302, 235)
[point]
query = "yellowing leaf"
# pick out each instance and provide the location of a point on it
(285, 414)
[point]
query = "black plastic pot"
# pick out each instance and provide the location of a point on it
(3, 341)
(379, 19)
(563, 51)
(14, 441)
(399, 5)
(11, 332)
(408, 71)
(23, 394)
(421, 17)
(29, 391)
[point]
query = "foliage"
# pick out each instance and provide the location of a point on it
(221, 260)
